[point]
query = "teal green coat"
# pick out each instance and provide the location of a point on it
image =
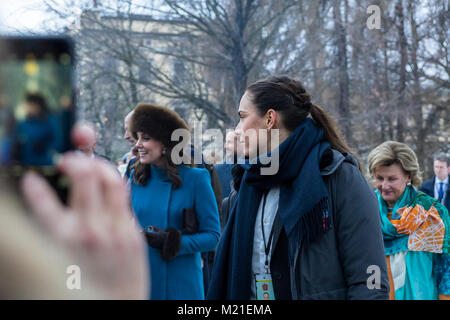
(158, 204)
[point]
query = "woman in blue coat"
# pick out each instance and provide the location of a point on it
(162, 193)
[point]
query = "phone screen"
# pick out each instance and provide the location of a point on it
(36, 102)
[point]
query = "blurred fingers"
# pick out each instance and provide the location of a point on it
(83, 134)
(114, 190)
(85, 192)
(42, 200)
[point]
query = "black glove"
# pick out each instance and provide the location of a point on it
(155, 237)
(167, 242)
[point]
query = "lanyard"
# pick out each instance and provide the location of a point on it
(266, 247)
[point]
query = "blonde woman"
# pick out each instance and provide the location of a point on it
(415, 226)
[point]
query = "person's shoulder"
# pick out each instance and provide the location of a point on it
(345, 177)
(340, 164)
(219, 166)
(132, 161)
(428, 182)
(128, 166)
(125, 156)
(194, 177)
(223, 167)
(428, 202)
(191, 172)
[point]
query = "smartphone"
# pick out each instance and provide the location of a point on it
(37, 106)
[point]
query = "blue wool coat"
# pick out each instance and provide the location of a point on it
(158, 204)
(33, 132)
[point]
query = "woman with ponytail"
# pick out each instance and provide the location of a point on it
(174, 204)
(311, 229)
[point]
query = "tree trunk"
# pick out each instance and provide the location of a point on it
(416, 98)
(239, 67)
(402, 44)
(343, 78)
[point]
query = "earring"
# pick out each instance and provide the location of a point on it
(163, 152)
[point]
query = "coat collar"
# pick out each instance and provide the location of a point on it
(159, 173)
(338, 158)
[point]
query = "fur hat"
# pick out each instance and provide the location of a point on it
(158, 122)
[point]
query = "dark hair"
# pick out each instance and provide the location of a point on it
(142, 171)
(441, 157)
(159, 123)
(38, 100)
(289, 98)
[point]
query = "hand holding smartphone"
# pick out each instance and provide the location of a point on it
(36, 106)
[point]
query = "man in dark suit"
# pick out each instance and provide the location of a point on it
(438, 186)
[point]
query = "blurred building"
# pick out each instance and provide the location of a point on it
(122, 60)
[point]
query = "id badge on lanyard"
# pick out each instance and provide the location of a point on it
(263, 281)
(264, 287)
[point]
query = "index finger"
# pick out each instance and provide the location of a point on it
(114, 189)
(42, 200)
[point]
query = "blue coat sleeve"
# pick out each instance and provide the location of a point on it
(208, 217)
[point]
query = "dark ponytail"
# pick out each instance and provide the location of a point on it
(288, 97)
(331, 130)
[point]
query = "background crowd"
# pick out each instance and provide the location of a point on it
(347, 213)
(151, 228)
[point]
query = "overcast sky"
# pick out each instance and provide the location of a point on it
(21, 15)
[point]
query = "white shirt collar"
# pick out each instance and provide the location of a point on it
(437, 181)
